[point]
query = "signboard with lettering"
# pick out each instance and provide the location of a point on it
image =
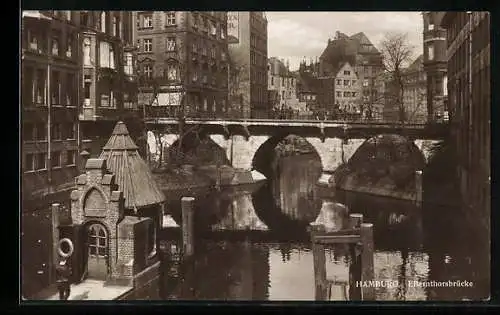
(233, 27)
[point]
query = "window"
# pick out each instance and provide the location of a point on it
(70, 131)
(365, 83)
(106, 55)
(354, 82)
(105, 100)
(114, 25)
(347, 72)
(29, 162)
(222, 32)
(195, 20)
(55, 159)
(172, 73)
(32, 40)
(55, 44)
(84, 18)
(195, 75)
(103, 22)
(430, 52)
(353, 94)
(171, 18)
(40, 86)
(431, 26)
(148, 71)
(70, 158)
(86, 51)
(347, 94)
(147, 21)
(41, 161)
(272, 80)
(98, 241)
(28, 91)
(87, 84)
(194, 48)
(129, 64)
(339, 94)
(56, 131)
(41, 132)
(223, 56)
(171, 44)
(213, 52)
(346, 82)
(213, 29)
(56, 88)
(148, 45)
(69, 45)
(339, 82)
(28, 132)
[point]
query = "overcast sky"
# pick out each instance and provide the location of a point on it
(293, 35)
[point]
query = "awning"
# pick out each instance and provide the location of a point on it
(35, 15)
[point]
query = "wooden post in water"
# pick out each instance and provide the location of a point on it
(367, 269)
(319, 264)
(418, 188)
(54, 213)
(355, 220)
(187, 204)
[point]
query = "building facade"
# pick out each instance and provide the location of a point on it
(50, 68)
(73, 91)
(415, 92)
(182, 61)
(468, 51)
(284, 82)
(347, 89)
(247, 41)
(109, 87)
(435, 64)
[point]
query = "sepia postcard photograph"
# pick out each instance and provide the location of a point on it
(254, 156)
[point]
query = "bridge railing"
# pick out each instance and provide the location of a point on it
(176, 112)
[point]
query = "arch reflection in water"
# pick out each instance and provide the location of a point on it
(240, 215)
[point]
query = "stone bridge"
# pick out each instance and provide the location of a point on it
(250, 142)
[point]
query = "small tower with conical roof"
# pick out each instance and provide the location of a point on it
(116, 211)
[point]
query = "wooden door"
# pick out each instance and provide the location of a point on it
(97, 246)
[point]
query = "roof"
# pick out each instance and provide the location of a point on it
(35, 15)
(131, 172)
(417, 63)
(345, 48)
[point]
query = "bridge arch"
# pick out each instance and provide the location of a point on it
(261, 159)
(382, 158)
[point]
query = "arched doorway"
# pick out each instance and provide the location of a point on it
(97, 251)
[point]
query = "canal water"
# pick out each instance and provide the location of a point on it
(412, 246)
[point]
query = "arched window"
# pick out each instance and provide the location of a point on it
(97, 240)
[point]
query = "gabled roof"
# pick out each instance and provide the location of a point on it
(345, 48)
(131, 172)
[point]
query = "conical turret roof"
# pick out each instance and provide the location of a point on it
(131, 172)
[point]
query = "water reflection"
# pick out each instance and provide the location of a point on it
(407, 251)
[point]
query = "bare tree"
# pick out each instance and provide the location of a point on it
(397, 53)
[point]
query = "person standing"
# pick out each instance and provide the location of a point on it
(63, 273)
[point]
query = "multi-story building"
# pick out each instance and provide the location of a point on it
(284, 82)
(50, 70)
(435, 64)
(183, 62)
(347, 89)
(308, 91)
(68, 59)
(468, 51)
(366, 60)
(415, 92)
(108, 78)
(247, 40)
